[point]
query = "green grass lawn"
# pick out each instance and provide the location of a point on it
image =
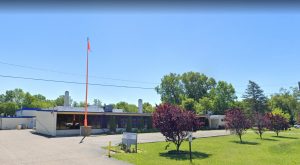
(224, 150)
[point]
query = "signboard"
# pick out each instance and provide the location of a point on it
(128, 135)
(129, 139)
(190, 136)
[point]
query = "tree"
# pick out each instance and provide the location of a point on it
(278, 111)
(205, 105)
(255, 98)
(223, 97)
(170, 89)
(174, 122)
(237, 122)
(60, 100)
(8, 108)
(277, 123)
(190, 104)
(148, 108)
(97, 103)
(260, 123)
(126, 107)
(287, 102)
(196, 85)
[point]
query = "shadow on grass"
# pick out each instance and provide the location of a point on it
(285, 137)
(184, 155)
(268, 139)
(245, 142)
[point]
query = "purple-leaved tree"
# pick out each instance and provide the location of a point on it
(237, 122)
(277, 123)
(260, 123)
(174, 122)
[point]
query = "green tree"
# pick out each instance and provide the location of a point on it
(223, 96)
(190, 104)
(255, 98)
(97, 103)
(126, 107)
(8, 108)
(60, 100)
(205, 105)
(170, 89)
(279, 111)
(196, 85)
(148, 108)
(287, 101)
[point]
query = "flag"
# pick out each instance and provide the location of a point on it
(88, 45)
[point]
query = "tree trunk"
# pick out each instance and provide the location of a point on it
(240, 136)
(177, 147)
(260, 135)
(277, 133)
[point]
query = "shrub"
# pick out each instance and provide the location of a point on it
(129, 124)
(112, 124)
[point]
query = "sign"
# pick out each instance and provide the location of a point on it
(129, 139)
(131, 136)
(190, 136)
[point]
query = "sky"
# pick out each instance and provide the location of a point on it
(141, 47)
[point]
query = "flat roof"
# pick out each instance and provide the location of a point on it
(104, 113)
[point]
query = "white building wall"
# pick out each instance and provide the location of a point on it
(11, 123)
(215, 121)
(26, 113)
(46, 122)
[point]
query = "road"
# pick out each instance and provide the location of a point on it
(22, 147)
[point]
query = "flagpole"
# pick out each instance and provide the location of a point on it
(86, 84)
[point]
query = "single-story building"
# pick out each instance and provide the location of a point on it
(216, 121)
(64, 122)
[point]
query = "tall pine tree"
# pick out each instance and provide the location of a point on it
(255, 98)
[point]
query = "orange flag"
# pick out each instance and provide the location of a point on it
(88, 45)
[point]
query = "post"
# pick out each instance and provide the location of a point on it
(190, 144)
(86, 84)
(109, 146)
(136, 144)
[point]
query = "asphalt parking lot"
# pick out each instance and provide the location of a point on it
(22, 147)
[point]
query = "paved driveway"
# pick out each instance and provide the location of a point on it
(21, 147)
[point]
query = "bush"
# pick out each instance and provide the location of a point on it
(112, 124)
(129, 124)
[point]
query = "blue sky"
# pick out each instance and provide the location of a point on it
(143, 46)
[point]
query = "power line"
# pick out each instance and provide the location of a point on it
(73, 74)
(74, 82)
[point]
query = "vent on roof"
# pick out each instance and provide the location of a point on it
(108, 108)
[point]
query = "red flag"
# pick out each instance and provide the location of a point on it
(88, 45)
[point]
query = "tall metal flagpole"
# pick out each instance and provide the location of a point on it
(86, 84)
